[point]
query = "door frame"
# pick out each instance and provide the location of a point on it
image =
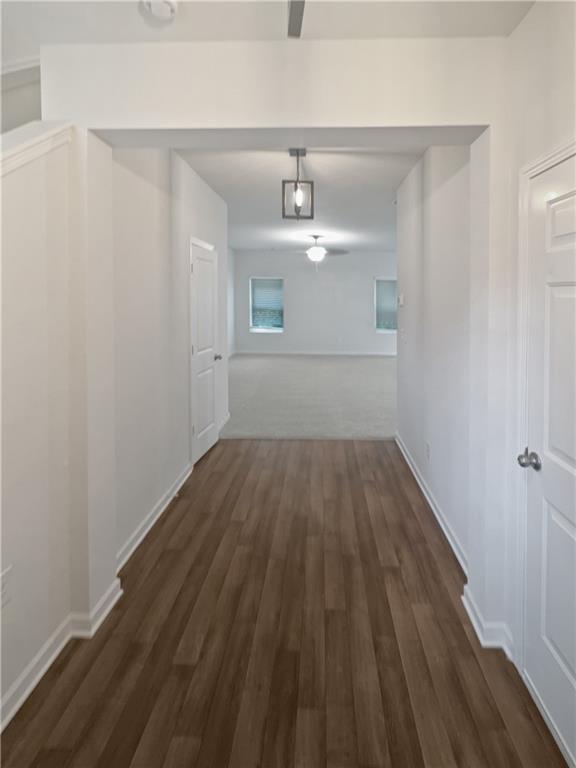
(194, 242)
(520, 479)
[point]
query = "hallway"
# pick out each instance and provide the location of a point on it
(296, 605)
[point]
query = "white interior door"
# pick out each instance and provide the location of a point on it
(204, 356)
(550, 615)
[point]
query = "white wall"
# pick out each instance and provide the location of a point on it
(151, 439)
(434, 351)
(259, 83)
(59, 481)
(35, 368)
(95, 381)
(410, 261)
(326, 311)
(231, 298)
(20, 93)
(93, 413)
(159, 202)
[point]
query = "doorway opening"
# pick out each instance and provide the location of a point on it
(317, 349)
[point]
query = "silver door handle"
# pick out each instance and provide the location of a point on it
(529, 459)
(217, 357)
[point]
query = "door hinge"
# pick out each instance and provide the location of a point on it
(192, 349)
(193, 429)
(191, 266)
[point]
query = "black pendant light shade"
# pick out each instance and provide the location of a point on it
(297, 195)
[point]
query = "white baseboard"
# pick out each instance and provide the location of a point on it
(25, 683)
(74, 625)
(440, 516)
(492, 634)
(225, 421)
(82, 625)
(87, 624)
(161, 505)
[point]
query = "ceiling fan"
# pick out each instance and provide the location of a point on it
(317, 253)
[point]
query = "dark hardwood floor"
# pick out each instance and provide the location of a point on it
(297, 605)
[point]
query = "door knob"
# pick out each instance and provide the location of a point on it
(529, 459)
(217, 357)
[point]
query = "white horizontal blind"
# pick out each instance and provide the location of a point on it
(386, 305)
(267, 303)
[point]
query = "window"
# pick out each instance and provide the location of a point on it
(386, 305)
(267, 304)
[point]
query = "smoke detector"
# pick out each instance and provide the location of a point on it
(162, 11)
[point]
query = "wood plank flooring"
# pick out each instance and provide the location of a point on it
(297, 605)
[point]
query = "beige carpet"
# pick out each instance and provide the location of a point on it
(305, 396)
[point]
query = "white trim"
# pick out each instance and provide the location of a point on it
(127, 550)
(201, 244)
(20, 78)
(82, 625)
(74, 625)
(549, 160)
(86, 625)
(225, 421)
(35, 146)
(568, 756)
(18, 65)
(457, 547)
(491, 634)
(25, 683)
(519, 479)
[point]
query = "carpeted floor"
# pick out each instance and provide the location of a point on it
(305, 396)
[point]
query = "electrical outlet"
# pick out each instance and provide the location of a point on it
(5, 586)
(427, 446)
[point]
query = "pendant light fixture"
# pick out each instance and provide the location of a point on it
(316, 253)
(297, 194)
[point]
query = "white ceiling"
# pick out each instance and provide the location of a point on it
(401, 140)
(356, 172)
(354, 196)
(28, 25)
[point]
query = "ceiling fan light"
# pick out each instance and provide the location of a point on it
(316, 253)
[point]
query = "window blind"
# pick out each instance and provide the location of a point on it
(267, 303)
(386, 305)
